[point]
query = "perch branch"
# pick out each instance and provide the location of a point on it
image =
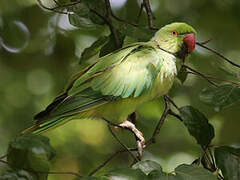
(152, 140)
(123, 145)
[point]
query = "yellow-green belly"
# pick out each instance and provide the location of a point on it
(117, 111)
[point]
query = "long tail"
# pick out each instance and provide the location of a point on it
(49, 125)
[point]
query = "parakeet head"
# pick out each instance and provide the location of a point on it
(177, 38)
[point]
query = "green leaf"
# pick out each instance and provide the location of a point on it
(197, 125)
(110, 46)
(129, 40)
(147, 166)
(193, 172)
(18, 175)
(92, 178)
(140, 33)
(32, 152)
(222, 96)
(228, 160)
(81, 22)
(80, 16)
(182, 74)
(127, 174)
(159, 175)
(99, 7)
(94, 48)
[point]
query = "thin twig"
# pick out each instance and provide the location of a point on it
(150, 16)
(218, 54)
(160, 122)
(193, 71)
(209, 78)
(109, 159)
(175, 115)
(140, 13)
(3, 156)
(123, 145)
(122, 20)
(45, 172)
(205, 42)
(149, 142)
(110, 24)
(172, 102)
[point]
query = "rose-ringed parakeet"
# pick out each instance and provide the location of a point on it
(118, 83)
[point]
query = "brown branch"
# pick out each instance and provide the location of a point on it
(44, 172)
(160, 123)
(175, 115)
(193, 71)
(218, 54)
(110, 24)
(140, 13)
(150, 16)
(123, 145)
(122, 20)
(3, 156)
(172, 102)
(109, 159)
(152, 140)
(209, 78)
(205, 42)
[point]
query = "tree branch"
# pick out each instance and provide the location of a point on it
(160, 123)
(152, 140)
(3, 156)
(140, 13)
(110, 24)
(123, 145)
(209, 78)
(148, 9)
(193, 71)
(217, 53)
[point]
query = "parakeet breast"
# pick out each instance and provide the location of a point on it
(165, 77)
(120, 109)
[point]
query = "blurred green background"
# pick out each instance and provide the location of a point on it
(40, 50)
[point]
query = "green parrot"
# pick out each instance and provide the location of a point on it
(118, 83)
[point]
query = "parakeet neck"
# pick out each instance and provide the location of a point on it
(168, 56)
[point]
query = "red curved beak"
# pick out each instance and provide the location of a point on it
(190, 41)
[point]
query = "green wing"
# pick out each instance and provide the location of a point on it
(128, 72)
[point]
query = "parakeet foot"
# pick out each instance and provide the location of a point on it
(138, 134)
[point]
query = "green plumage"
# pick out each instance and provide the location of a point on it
(116, 84)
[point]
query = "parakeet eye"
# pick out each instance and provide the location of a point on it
(174, 33)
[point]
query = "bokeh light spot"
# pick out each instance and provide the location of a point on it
(39, 82)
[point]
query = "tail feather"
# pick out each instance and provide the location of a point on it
(49, 125)
(50, 107)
